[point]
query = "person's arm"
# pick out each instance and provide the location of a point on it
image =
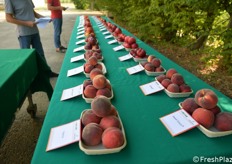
(37, 15)
(11, 19)
(50, 7)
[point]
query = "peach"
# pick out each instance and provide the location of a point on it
(112, 138)
(185, 88)
(86, 83)
(88, 67)
(89, 117)
(108, 85)
(94, 72)
(216, 110)
(113, 111)
(109, 121)
(189, 105)
(223, 121)
(149, 67)
(101, 106)
(99, 81)
(150, 57)
(92, 134)
(105, 92)
(97, 55)
(170, 72)
(173, 88)
(92, 60)
(159, 69)
(206, 98)
(204, 117)
(166, 82)
(177, 79)
(90, 91)
(156, 62)
(143, 63)
(160, 78)
(88, 54)
(99, 66)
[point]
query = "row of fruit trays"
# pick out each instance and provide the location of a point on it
(102, 123)
(214, 122)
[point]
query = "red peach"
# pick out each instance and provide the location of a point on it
(90, 91)
(189, 105)
(170, 72)
(204, 117)
(89, 117)
(177, 79)
(109, 121)
(92, 134)
(101, 106)
(99, 81)
(173, 88)
(94, 72)
(223, 121)
(105, 92)
(166, 83)
(112, 138)
(206, 98)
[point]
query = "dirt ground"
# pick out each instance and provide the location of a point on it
(19, 143)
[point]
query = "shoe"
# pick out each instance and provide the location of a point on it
(61, 50)
(53, 74)
(62, 47)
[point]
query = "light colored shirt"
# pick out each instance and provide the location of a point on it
(22, 10)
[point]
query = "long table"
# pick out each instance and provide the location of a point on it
(22, 72)
(148, 141)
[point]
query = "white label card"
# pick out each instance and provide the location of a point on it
(77, 58)
(72, 92)
(151, 87)
(135, 69)
(102, 29)
(125, 57)
(79, 49)
(118, 48)
(63, 135)
(178, 122)
(107, 32)
(80, 26)
(80, 32)
(109, 36)
(75, 71)
(80, 36)
(81, 41)
(113, 41)
(81, 29)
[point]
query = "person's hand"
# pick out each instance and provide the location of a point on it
(64, 8)
(30, 23)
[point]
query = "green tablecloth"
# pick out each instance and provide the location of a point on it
(19, 71)
(148, 141)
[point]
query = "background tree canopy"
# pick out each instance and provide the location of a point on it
(204, 26)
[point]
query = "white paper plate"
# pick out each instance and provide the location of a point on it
(100, 149)
(89, 100)
(103, 70)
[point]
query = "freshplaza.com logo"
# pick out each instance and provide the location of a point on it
(220, 159)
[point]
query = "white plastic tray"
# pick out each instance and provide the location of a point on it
(149, 73)
(176, 95)
(100, 149)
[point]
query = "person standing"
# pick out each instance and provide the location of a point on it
(57, 18)
(22, 13)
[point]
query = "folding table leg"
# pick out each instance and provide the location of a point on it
(32, 108)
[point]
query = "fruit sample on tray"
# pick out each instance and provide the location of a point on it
(205, 110)
(89, 54)
(97, 85)
(139, 54)
(153, 66)
(174, 84)
(130, 43)
(102, 128)
(93, 63)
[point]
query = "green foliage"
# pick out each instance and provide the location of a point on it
(198, 24)
(81, 4)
